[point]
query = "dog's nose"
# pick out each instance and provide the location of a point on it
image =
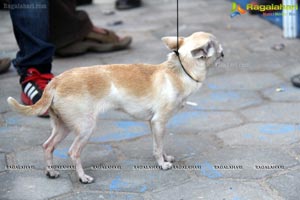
(222, 54)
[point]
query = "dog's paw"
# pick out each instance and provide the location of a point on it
(166, 165)
(52, 174)
(85, 179)
(169, 158)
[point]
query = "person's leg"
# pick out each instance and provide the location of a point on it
(67, 25)
(30, 20)
(31, 27)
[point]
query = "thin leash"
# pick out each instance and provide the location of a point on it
(177, 48)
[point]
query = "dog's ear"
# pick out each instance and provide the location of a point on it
(171, 42)
(205, 51)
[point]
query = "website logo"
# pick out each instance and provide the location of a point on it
(236, 10)
(265, 10)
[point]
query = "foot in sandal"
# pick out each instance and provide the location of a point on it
(98, 40)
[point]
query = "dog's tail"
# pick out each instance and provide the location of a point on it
(40, 107)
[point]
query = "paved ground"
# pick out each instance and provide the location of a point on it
(242, 137)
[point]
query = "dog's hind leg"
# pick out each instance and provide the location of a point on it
(83, 134)
(59, 132)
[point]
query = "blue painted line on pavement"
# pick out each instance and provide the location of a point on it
(116, 184)
(185, 117)
(108, 147)
(128, 162)
(129, 197)
(209, 171)
(143, 188)
(128, 124)
(128, 130)
(247, 136)
(222, 96)
(4, 129)
(298, 127)
(262, 138)
(212, 86)
(276, 129)
(118, 137)
(13, 120)
(61, 153)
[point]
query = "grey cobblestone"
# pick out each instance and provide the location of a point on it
(31, 185)
(98, 195)
(212, 189)
(288, 184)
(255, 162)
(274, 112)
(246, 114)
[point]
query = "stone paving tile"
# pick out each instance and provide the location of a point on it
(190, 120)
(13, 119)
(272, 61)
(252, 160)
(261, 134)
(2, 121)
(288, 185)
(9, 87)
(2, 162)
(33, 156)
(99, 154)
(288, 71)
(8, 41)
(92, 155)
(244, 81)
(225, 100)
(295, 149)
(98, 195)
(15, 138)
(131, 180)
(32, 185)
(202, 121)
(283, 92)
(180, 146)
(214, 190)
(114, 131)
(274, 112)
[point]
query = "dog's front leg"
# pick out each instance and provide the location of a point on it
(158, 131)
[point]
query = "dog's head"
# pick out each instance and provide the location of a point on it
(200, 47)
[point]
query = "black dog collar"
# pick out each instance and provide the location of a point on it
(177, 54)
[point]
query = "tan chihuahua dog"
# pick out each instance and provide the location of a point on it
(148, 92)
